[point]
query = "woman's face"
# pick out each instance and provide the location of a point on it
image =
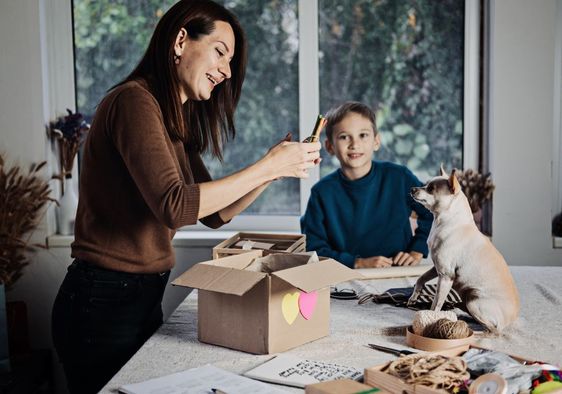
(205, 62)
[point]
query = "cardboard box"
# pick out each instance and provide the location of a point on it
(268, 242)
(374, 376)
(343, 386)
(259, 312)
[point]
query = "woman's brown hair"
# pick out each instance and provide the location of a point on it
(202, 124)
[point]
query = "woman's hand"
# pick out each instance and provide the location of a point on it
(407, 258)
(232, 194)
(291, 159)
(373, 262)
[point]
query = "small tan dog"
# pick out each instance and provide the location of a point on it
(464, 258)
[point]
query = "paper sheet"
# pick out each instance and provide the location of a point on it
(200, 381)
(395, 271)
(293, 371)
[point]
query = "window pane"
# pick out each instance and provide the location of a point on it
(269, 105)
(110, 37)
(107, 51)
(405, 60)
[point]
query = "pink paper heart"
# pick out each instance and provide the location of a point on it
(307, 303)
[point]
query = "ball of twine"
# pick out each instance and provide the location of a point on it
(424, 318)
(447, 329)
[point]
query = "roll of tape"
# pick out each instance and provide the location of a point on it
(490, 383)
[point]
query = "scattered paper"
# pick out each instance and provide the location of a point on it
(393, 271)
(200, 381)
(249, 244)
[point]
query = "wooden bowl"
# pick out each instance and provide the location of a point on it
(433, 344)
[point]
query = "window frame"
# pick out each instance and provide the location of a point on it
(557, 125)
(309, 97)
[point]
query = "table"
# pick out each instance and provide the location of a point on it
(537, 334)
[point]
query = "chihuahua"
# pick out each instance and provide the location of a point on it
(464, 258)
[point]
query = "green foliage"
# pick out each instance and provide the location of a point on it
(110, 37)
(403, 58)
(268, 107)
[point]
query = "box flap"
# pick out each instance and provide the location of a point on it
(238, 261)
(219, 279)
(314, 276)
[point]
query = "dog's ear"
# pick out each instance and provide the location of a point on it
(454, 185)
(442, 171)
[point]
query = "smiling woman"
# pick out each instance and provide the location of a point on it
(144, 152)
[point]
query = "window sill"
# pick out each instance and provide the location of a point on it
(182, 239)
(557, 242)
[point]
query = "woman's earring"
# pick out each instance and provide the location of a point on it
(177, 59)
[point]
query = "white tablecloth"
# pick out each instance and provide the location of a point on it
(536, 335)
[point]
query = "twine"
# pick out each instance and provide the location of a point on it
(435, 371)
(424, 318)
(447, 329)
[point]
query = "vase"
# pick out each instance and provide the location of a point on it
(4, 350)
(66, 211)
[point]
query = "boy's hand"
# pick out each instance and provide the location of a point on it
(407, 258)
(373, 262)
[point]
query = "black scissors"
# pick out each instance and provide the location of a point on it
(343, 294)
(396, 352)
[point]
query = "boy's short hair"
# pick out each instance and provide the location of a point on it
(336, 114)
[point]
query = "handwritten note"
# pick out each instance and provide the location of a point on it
(293, 371)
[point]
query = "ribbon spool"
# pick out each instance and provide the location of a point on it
(490, 383)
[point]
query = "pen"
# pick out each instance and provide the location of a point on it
(396, 352)
(218, 391)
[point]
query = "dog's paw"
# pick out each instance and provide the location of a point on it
(412, 300)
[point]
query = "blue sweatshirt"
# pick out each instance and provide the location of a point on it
(367, 217)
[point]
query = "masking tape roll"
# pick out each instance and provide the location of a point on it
(490, 383)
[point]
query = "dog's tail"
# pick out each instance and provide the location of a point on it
(489, 314)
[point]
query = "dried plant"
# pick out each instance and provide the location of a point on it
(23, 199)
(478, 188)
(69, 131)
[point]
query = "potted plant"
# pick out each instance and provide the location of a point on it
(478, 189)
(69, 132)
(23, 199)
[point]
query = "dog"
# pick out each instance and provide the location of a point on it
(464, 258)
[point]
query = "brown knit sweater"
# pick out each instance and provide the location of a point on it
(136, 186)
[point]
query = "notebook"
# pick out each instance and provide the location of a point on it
(297, 372)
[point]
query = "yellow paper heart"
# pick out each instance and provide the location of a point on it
(290, 307)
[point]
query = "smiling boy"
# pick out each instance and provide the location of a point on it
(360, 213)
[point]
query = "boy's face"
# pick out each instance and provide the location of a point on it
(353, 142)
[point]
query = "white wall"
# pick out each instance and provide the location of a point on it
(522, 89)
(521, 126)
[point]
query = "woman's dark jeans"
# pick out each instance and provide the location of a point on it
(100, 319)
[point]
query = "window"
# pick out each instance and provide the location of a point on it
(405, 58)
(269, 105)
(557, 138)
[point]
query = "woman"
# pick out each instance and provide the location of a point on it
(142, 177)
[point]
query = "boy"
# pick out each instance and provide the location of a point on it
(359, 214)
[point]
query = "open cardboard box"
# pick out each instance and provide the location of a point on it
(259, 312)
(375, 376)
(277, 243)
